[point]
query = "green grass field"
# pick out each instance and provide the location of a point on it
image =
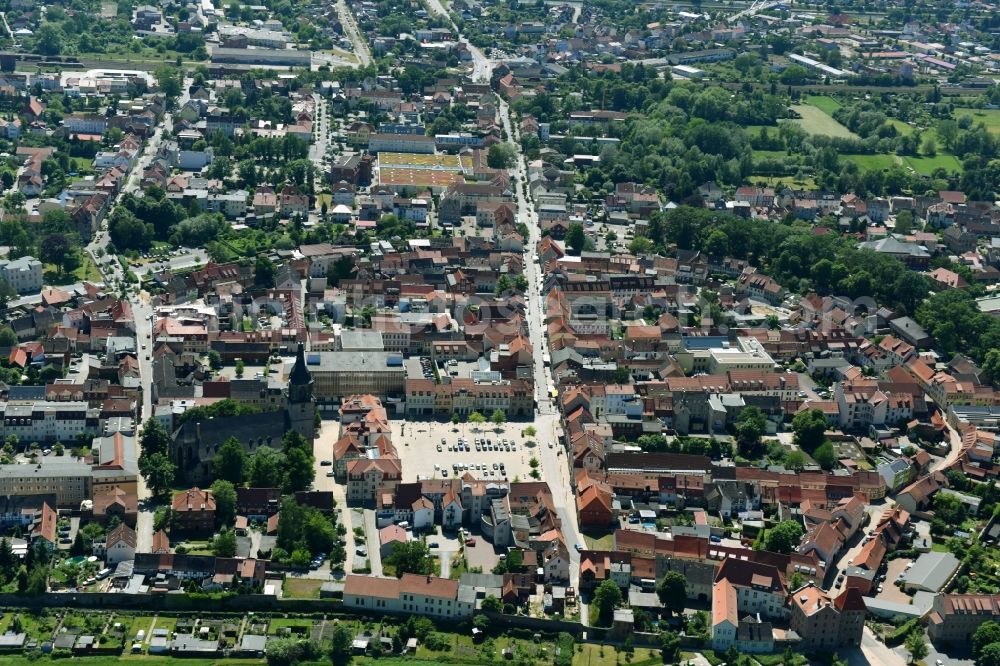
(824, 103)
(815, 121)
(871, 162)
(989, 117)
(302, 588)
(599, 540)
(298, 627)
(926, 165)
(901, 126)
(770, 154)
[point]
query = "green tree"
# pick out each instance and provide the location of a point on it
(153, 438)
(989, 655)
(576, 239)
(411, 557)
(916, 644)
(717, 244)
(670, 645)
(498, 417)
(230, 463)
(607, 597)
(795, 460)
(809, 428)
(8, 338)
(264, 272)
(825, 456)
(783, 537)
(53, 248)
(214, 359)
(988, 632)
(49, 39)
(239, 368)
(299, 470)
(476, 418)
(37, 581)
(341, 639)
(224, 493)
(266, 468)
(949, 509)
(159, 471)
(750, 427)
(169, 80)
(501, 156)
(672, 591)
(904, 221)
(492, 604)
(224, 544)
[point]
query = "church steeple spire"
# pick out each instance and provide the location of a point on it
(300, 375)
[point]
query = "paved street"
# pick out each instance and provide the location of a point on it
(354, 34)
(555, 466)
(141, 311)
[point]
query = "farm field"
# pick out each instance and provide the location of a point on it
(815, 121)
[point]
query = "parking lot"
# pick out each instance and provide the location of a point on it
(890, 592)
(429, 450)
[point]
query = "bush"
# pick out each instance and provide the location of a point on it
(899, 635)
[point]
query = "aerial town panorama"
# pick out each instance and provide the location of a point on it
(542, 332)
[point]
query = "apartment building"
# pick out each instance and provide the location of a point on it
(430, 596)
(367, 478)
(46, 421)
(70, 482)
(824, 623)
(954, 618)
(24, 275)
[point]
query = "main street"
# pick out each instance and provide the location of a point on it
(354, 34)
(142, 311)
(551, 453)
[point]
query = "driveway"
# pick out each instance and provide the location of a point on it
(481, 555)
(371, 534)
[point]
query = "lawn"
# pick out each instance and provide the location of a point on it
(279, 624)
(143, 623)
(926, 165)
(989, 117)
(773, 181)
(36, 626)
(815, 121)
(599, 540)
(301, 588)
(87, 271)
(824, 103)
(770, 154)
(871, 162)
(197, 547)
(901, 126)
(168, 623)
(599, 655)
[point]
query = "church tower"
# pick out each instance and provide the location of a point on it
(300, 407)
